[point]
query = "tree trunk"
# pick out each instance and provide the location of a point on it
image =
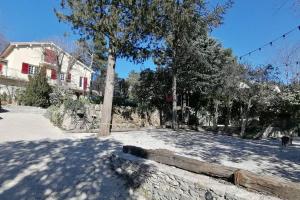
(245, 118)
(160, 118)
(58, 81)
(216, 114)
(59, 63)
(184, 109)
(108, 96)
(174, 106)
(228, 115)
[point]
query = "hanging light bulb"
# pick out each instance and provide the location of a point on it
(283, 35)
(271, 43)
(259, 49)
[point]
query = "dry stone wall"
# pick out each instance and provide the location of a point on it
(124, 118)
(160, 182)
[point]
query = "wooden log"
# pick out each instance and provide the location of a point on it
(170, 158)
(267, 184)
(251, 181)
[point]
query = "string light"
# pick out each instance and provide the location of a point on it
(271, 43)
(287, 65)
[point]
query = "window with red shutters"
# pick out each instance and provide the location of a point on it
(53, 74)
(25, 68)
(85, 81)
(1, 68)
(50, 56)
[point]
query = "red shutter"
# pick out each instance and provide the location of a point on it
(53, 74)
(25, 68)
(69, 77)
(85, 81)
(1, 68)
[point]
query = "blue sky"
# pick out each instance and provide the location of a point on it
(247, 25)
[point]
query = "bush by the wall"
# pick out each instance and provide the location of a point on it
(55, 115)
(37, 91)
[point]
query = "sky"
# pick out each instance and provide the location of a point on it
(247, 25)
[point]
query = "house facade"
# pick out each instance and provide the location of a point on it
(20, 60)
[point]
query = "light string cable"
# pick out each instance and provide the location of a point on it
(283, 36)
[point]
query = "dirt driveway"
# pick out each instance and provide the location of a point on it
(16, 126)
(39, 161)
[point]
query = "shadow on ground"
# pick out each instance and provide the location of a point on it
(268, 155)
(60, 169)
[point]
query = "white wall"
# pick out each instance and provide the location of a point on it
(34, 56)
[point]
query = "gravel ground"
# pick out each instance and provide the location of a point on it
(261, 156)
(39, 161)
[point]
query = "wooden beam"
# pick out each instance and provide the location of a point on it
(170, 158)
(267, 184)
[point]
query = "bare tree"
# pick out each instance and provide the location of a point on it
(288, 60)
(63, 50)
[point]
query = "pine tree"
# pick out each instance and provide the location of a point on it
(123, 27)
(180, 23)
(37, 90)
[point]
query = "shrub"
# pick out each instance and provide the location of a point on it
(59, 95)
(55, 116)
(74, 106)
(37, 91)
(96, 99)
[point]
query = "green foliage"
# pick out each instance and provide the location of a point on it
(75, 106)
(96, 99)
(122, 26)
(37, 91)
(153, 88)
(55, 115)
(125, 102)
(59, 95)
(4, 96)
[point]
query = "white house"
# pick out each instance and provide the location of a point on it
(19, 60)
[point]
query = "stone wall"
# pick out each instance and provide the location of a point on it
(155, 181)
(124, 118)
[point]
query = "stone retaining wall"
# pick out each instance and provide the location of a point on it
(160, 182)
(124, 118)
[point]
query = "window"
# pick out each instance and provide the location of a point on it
(80, 81)
(33, 69)
(62, 76)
